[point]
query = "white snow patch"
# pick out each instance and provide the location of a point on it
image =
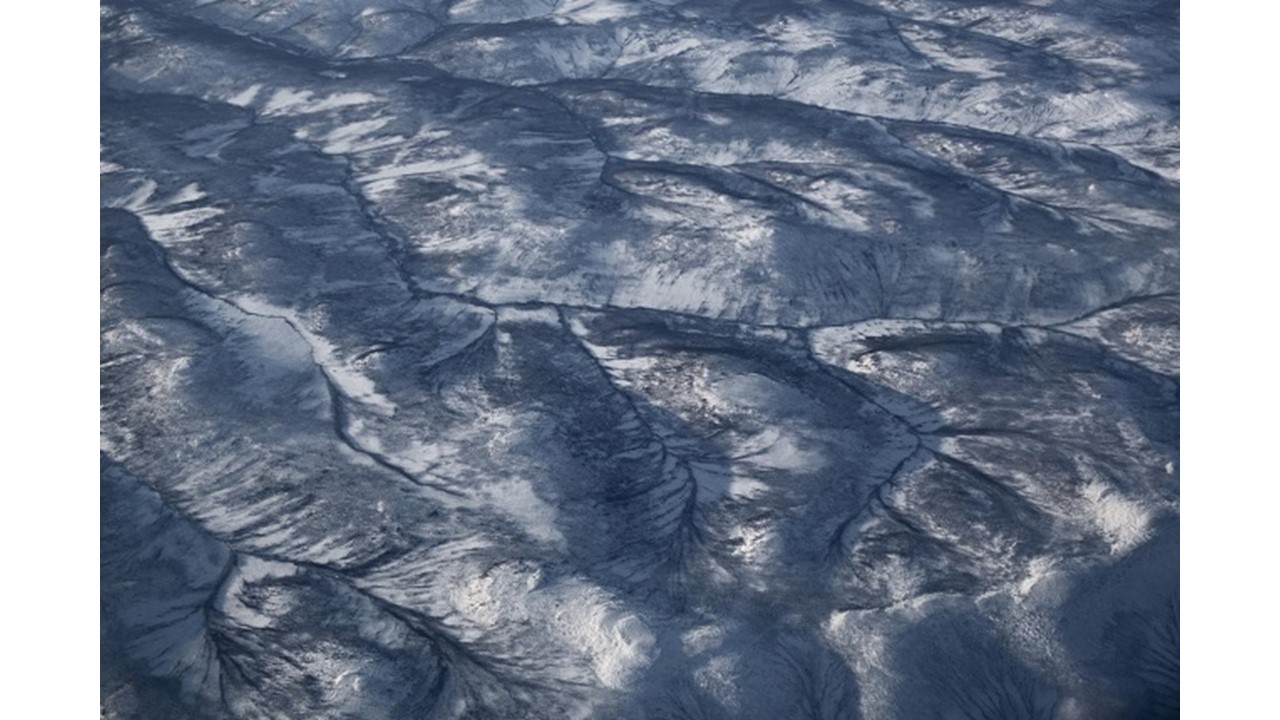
(246, 97)
(719, 678)
(426, 167)
(355, 137)
(352, 383)
(702, 639)
(249, 570)
(591, 12)
(299, 102)
(1123, 522)
(515, 497)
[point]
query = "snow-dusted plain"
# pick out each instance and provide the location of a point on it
(649, 359)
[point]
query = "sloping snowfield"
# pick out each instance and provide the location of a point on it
(650, 359)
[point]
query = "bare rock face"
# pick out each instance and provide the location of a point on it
(655, 359)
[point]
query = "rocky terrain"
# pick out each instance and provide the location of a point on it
(650, 359)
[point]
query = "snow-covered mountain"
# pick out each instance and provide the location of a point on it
(645, 359)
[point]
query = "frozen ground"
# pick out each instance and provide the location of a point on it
(648, 359)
